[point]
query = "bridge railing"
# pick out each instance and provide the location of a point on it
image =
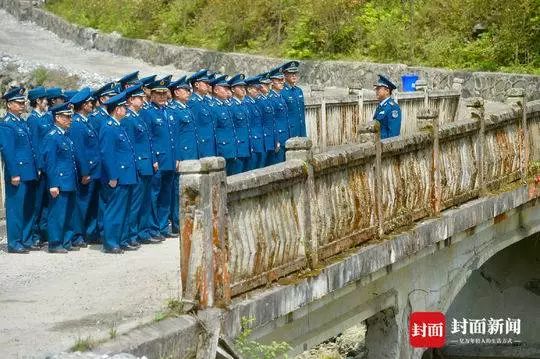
(248, 230)
(334, 122)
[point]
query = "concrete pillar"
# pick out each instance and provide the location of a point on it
(300, 148)
(203, 230)
(371, 133)
(458, 85)
(422, 86)
(516, 97)
(428, 119)
(475, 112)
(382, 335)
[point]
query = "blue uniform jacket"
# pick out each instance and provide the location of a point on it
(59, 163)
(294, 97)
(241, 118)
(281, 117)
(19, 149)
(98, 118)
(85, 138)
(255, 125)
(269, 130)
(140, 138)
(6, 142)
(186, 132)
(160, 122)
(117, 154)
(226, 140)
(39, 124)
(204, 122)
(388, 114)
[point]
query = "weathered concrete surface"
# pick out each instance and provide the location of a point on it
(396, 273)
(321, 73)
(49, 301)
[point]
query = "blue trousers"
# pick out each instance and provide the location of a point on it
(175, 204)
(161, 192)
(20, 214)
(116, 216)
(60, 229)
(257, 160)
(39, 233)
(88, 206)
(233, 166)
(141, 215)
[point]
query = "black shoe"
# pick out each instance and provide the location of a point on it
(175, 231)
(113, 251)
(150, 241)
(129, 247)
(135, 244)
(80, 245)
(159, 238)
(59, 250)
(169, 235)
(73, 249)
(18, 251)
(33, 247)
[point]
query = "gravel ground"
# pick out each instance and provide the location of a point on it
(48, 301)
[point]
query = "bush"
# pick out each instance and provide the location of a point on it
(416, 32)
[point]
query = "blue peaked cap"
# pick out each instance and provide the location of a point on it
(237, 80)
(161, 84)
(65, 108)
(148, 79)
(134, 90)
(291, 66)
(252, 81)
(181, 83)
(85, 94)
(264, 78)
(115, 101)
(70, 93)
(55, 92)
(37, 92)
(385, 82)
(15, 94)
(275, 73)
(220, 81)
(201, 75)
(129, 78)
(109, 89)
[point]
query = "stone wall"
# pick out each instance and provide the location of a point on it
(488, 85)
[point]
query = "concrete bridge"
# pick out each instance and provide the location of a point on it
(366, 232)
(348, 230)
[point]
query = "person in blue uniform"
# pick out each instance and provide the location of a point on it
(58, 157)
(281, 113)
(160, 121)
(55, 96)
(39, 124)
(186, 140)
(145, 81)
(202, 113)
(119, 175)
(294, 96)
(141, 216)
(388, 112)
(267, 111)
(85, 139)
(226, 140)
(241, 118)
(99, 116)
(258, 151)
(21, 174)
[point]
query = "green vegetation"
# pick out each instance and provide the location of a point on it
(174, 308)
(83, 345)
(42, 76)
(416, 32)
(253, 350)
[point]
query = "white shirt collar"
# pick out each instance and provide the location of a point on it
(62, 131)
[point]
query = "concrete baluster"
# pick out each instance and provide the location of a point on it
(203, 231)
(475, 112)
(371, 133)
(300, 148)
(516, 98)
(428, 119)
(457, 84)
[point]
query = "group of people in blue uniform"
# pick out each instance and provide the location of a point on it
(83, 166)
